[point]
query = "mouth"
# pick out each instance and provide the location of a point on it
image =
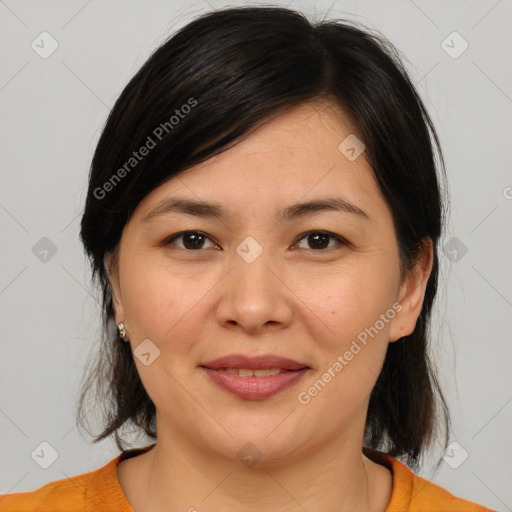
(243, 363)
(254, 378)
(248, 372)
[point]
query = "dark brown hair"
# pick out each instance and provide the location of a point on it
(235, 69)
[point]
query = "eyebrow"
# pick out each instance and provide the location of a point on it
(215, 210)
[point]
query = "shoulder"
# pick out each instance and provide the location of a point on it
(65, 494)
(416, 494)
(426, 494)
(85, 492)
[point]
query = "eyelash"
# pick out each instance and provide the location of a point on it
(342, 241)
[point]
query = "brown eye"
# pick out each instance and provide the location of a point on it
(191, 240)
(318, 240)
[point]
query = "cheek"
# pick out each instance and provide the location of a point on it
(162, 303)
(352, 339)
(344, 303)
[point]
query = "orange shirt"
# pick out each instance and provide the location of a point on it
(100, 490)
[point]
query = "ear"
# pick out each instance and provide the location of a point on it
(113, 277)
(412, 293)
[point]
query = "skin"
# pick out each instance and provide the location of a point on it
(294, 300)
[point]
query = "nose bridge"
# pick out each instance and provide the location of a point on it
(253, 296)
(253, 279)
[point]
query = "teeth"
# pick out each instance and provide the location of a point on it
(246, 372)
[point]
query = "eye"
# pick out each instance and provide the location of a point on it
(318, 240)
(195, 240)
(192, 240)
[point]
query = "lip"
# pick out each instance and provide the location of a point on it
(254, 363)
(255, 388)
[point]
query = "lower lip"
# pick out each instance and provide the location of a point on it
(255, 388)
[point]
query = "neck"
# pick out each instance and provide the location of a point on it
(338, 478)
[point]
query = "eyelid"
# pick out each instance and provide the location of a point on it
(341, 240)
(169, 239)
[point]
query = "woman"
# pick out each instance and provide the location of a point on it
(263, 216)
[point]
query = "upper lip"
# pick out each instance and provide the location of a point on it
(254, 362)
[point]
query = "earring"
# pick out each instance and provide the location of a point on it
(122, 331)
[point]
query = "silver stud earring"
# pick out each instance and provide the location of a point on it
(122, 331)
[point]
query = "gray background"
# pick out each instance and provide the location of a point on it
(52, 111)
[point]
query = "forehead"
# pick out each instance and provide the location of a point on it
(293, 157)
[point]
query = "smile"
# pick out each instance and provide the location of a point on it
(247, 372)
(254, 384)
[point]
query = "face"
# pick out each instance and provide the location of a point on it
(318, 285)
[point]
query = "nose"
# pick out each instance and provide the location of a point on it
(254, 297)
